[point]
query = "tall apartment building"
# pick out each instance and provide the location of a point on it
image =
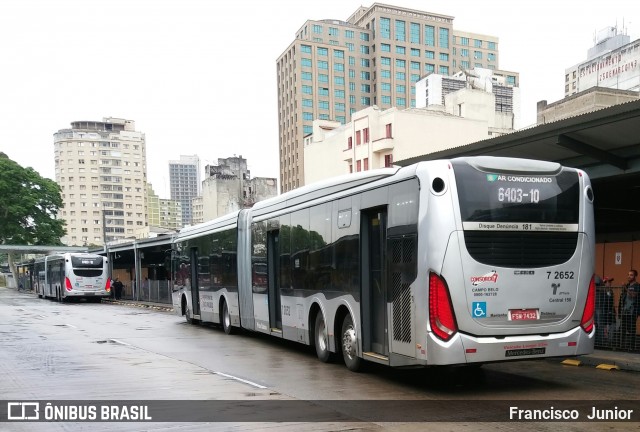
(163, 213)
(102, 170)
(184, 183)
(335, 68)
(613, 62)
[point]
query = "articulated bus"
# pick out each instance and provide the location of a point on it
(72, 275)
(451, 262)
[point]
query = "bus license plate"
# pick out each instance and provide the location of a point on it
(523, 314)
(89, 293)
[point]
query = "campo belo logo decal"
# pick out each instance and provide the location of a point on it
(492, 177)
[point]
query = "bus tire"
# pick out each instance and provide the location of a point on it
(349, 345)
(226, 319)
(185, 311)
(321, 338)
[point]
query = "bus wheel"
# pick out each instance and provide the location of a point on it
(226, 319)
(321, 339)
(350, 345)
(185, 311)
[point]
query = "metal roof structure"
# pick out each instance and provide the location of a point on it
(604, 143)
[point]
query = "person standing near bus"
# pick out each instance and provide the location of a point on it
(628, 310)
(117, 287)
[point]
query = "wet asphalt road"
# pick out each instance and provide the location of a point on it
(83, 351)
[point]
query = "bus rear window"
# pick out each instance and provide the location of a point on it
(525, 198)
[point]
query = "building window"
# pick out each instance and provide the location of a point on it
(401, 64)
(386, 61)
(385, 87)
(385, 47)
(385, 28)
(333, 31)
(491, 45)
(317, 29)
(366, 164)
(358, 166)
(323, 64)
(415, 65)
(358, 142)
(365, 134)
(415, 52)
(364, 36)
(305, 62)
(401, 50)
(443, 38)
(338, 54)
(305, 49)
(365, 101)
(443, 70)
(388, 160)
(388, 131)
(477, 43)
(429, 36)
(323, 78)
(350, 143)
(415, 33)
(364, 49)
(401, 34)
(348, 34)
(444, 57)
(386, 100)
(464, 41)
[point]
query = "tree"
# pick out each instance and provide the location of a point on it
(29, 204)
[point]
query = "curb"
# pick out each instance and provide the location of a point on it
(602, 363)
(140, 305)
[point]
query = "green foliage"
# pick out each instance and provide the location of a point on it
(29, 204)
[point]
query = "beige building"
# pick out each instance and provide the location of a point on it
(229, 187)
(197, 210)
(376, 137)
(335, 68)
(589, 100)
(101, 169)
(163, 213)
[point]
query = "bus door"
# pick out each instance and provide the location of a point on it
(373, 281)
(195, 291)
(273, 255)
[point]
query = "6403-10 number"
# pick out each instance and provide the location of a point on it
(560, 275)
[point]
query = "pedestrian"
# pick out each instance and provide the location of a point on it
(628, 310)
(117, 286)
(605, 312)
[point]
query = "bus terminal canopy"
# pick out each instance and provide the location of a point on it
(604, 143)
(40, 248)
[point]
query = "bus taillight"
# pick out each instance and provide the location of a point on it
(107, 286)
(441, 316)
(67, 284)
(589, 309)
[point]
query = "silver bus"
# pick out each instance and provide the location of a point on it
(451, 262)
(72, 275)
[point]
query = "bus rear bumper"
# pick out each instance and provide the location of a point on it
(464, 349)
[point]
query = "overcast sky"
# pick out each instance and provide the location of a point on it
(170, 66)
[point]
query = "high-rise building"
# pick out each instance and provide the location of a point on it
(335, 68)
(613, 62)
(102, 170)
(184, 183)
(163, 213)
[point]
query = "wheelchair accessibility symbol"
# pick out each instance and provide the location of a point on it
(479, 309)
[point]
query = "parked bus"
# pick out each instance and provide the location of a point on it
(72, 275)
(451, 262)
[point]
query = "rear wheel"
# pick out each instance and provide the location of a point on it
(185, 311)
(321, 339)
(349, 342)
(226, 319)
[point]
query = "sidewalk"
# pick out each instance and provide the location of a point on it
(628, 361)
(163, 307)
